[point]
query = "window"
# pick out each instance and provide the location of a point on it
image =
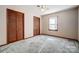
(53, 23)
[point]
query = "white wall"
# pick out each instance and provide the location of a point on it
(78, 23)
(29, 13)
(67, 24)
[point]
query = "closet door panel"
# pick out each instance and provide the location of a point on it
(20, 23)
(11, 26)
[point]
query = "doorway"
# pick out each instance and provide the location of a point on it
(36, 25)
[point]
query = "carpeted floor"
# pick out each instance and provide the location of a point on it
(42, 44)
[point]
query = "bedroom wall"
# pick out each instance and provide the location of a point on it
(28, 22)
(67, 24)
(78, 23)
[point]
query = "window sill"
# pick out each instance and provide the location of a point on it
(52, 30)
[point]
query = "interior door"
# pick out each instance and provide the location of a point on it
(11, 26)
(36, 26)
(20, 26)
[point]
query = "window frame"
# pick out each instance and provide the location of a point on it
(49, 24)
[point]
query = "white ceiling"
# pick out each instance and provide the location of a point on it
(56, 8)
(51, 8)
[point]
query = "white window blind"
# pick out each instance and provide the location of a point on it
(53, 23)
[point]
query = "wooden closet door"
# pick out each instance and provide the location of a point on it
(20, 26)
(36, 26)
(11, 26)
(15, 26)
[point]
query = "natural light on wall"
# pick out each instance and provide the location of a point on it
(53, 23)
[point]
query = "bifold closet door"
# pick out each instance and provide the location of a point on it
(20, 26)
(15, 26)
(11, 26)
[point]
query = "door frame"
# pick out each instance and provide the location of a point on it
(33, 24)
(16, 25)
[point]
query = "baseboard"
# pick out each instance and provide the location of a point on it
(30, 37)
(61, 37)
(3, 45)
